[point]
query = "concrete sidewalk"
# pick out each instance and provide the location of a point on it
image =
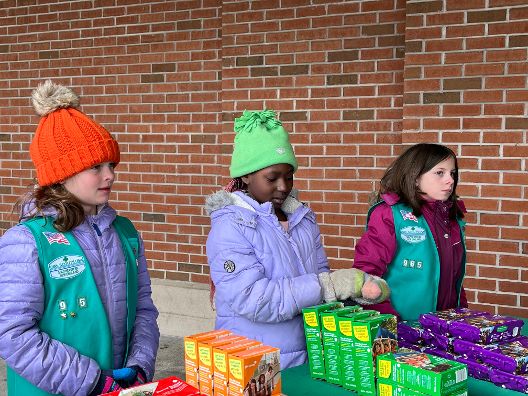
(168, 363)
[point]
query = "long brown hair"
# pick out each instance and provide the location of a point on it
(401, 176)
(70, 212)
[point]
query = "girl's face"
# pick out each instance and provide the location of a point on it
(92, 186)
(437, 183)
(272, 184)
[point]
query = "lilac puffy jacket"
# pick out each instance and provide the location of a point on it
(47, 363)
(264, 276)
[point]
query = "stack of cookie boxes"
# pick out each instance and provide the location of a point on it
(219, 363)
(490, 345)
(343, 343)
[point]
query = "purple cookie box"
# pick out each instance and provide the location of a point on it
(475, 369)
(516, 382)
(438, 322)
(440, 353)
(510, 356)
(409, 345)
(486, 329)
(438, 341)
(410, 331)
(469, 349)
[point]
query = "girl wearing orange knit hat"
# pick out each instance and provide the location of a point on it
(77, 317)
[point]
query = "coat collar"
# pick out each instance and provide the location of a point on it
(222, 198)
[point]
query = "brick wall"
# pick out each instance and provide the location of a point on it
(465, 86)
(354, 81)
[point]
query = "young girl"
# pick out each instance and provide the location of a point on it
(415, 233)
(264, 248)
(76, 316)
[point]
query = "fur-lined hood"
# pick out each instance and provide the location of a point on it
(222, 198)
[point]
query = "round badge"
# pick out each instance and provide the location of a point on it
(229, 266)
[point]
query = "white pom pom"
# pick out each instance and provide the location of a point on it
(49, 97)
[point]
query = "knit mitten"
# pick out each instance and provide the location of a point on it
(353, 284)
(341, 284)
(374, 290)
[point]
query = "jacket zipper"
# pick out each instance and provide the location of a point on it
(104, 261)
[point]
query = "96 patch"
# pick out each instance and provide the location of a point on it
(229, 266)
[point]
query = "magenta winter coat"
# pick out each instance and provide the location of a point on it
(264, 276)
(51, 365)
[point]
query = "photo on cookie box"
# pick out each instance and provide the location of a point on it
(421, 360)
(385, 340)
(384, 345)
(265, 378)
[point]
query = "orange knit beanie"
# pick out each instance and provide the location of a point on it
(67, 141)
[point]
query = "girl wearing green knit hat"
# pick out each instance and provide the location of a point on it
(264, 249)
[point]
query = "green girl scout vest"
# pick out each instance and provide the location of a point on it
(414, 272)
(73, 310)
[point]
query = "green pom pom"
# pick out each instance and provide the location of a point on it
(253, 119)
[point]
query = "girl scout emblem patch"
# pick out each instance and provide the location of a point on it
(66, 267)
(413, 234)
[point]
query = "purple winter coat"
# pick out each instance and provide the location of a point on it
(264, 276)
(47, 363)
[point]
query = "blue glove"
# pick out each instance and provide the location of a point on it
(129, 376)
(125, 374)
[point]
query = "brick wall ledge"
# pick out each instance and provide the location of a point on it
(183, 307)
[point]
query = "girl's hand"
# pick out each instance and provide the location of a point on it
(374, 290)
(352, 283)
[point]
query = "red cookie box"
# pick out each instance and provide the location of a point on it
(163, 387)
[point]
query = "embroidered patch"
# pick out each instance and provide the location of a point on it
(56, 237)
(280, 150)
(408, 215)
(413, 234)
(66, 267)
(229, 266)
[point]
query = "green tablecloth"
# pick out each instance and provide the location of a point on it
(296, 381)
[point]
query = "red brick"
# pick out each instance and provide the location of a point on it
(505, 82)
(512, 311)
(461, 110)
(422, 85)
(464, 57)
(484, 69)
(504, 109)
(447, 18)
(505, 55)
(441, 123)
(481, 123)
(442, 71)
(424, 33)
(483, 96)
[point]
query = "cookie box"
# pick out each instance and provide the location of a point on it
(438, 322)
(410, 331)
(485, 329)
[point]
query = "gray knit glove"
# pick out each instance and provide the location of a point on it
(354, 284)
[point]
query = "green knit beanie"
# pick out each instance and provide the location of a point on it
(260, 141)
